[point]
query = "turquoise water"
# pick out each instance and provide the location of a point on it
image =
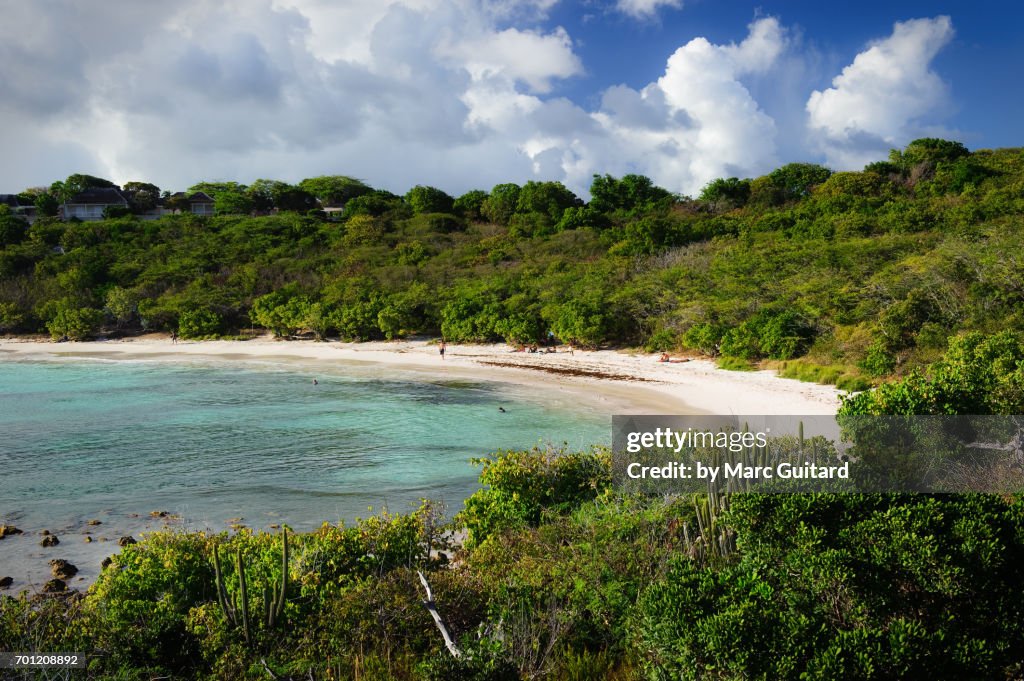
(107, 439)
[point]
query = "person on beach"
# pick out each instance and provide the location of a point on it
(571, 349)
(174, 337)
(441, 348)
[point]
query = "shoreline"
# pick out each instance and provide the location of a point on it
(628, 382)
(605, 381)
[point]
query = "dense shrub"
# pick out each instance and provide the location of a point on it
(523, 484)
(847, 586)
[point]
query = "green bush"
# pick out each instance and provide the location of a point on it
(73, 322)
(199, 323)
(846, 586)
(520, 485)
(978, 375)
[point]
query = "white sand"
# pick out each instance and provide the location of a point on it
(623, 382)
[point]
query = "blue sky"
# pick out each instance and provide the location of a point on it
(464, 94)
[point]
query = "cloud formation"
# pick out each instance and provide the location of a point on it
(645, 8)
(884, 97)
(458, 93)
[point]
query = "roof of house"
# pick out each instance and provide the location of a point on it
(195, 197)
(99, 195)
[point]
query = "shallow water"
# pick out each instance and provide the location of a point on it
(210, 442)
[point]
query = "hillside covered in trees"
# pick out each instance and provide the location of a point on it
(910, 269)
(841, 277)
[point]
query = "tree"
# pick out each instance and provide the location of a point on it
(294, 199)
(69, 320)
(376, 203)
(199, 323)
(728, 193)
(791, 182)
(142, 196)
(214, 188)
(469, 205)
(269, 194)
(47, 204)
(78, 183)
(230, 202)
(425, 199)
(550, 199)
(334, 190)
(631, 193)
(928, 150)
(501, 204)
(179, 203)
(121, 304)
(12, 227)
(263, 192)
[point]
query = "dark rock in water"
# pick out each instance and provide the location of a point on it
(7, 530)
(6, 582)
(54, 586)
(49, 540)
(105, 563)
(93, 522)
(158, 514)
(126, 541)
(88, 539)
(44, 533)
(61, 569)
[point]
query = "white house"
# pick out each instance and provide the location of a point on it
(199, 203)
(90, 204)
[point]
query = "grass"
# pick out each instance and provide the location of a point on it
(840, 376)
(735, 364)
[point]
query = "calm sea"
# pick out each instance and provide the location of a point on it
(210, 442)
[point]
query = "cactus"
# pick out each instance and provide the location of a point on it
(236, 607)
(713, 540)
(243, 595)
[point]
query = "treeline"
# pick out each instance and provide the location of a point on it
(841, 277)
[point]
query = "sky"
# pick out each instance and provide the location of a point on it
(466, 94)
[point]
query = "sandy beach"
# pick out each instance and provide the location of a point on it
(624, 382)
(605, 381)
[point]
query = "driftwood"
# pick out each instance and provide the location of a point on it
(432, 609)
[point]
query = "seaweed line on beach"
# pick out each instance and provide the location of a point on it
(569, 371)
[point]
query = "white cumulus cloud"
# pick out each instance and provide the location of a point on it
(885, 97)
(698, 121)
(460, 94)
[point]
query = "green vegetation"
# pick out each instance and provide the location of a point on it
(909, 271)
(858, 276)
(564, 578)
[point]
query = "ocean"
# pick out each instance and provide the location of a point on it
(214, 442)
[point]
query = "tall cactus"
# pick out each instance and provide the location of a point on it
(244, 596)
(276, 608)
(713, 540)
(236, 606)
